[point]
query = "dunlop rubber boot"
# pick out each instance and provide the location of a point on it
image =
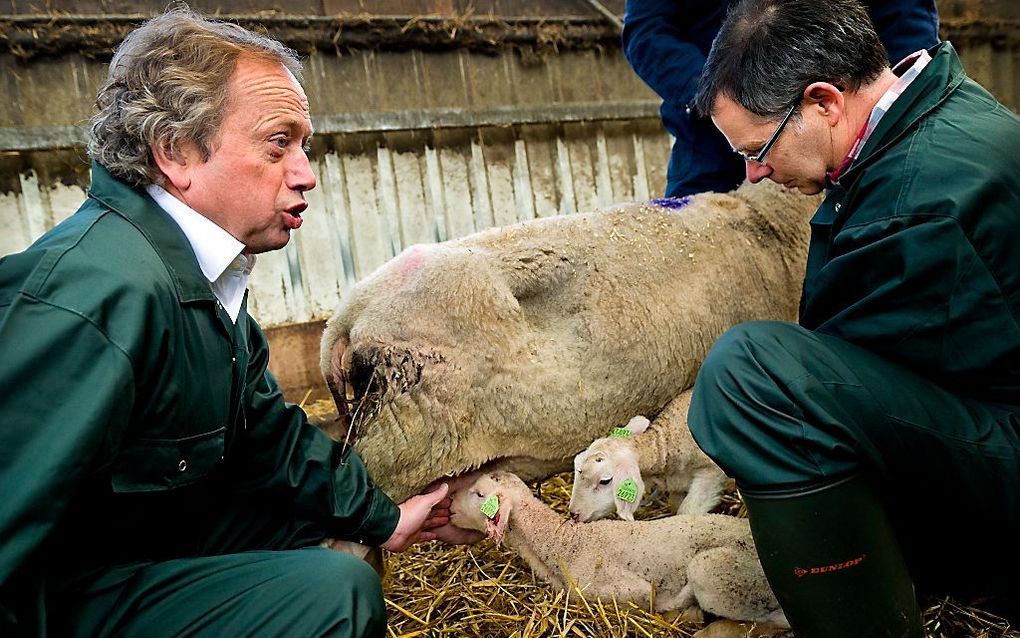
(833, 562)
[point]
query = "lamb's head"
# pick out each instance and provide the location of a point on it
(607, 478)
(487, 504)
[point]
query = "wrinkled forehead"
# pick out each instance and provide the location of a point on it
(268, 90)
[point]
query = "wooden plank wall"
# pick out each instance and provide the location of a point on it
(415, 146)
(320, 7)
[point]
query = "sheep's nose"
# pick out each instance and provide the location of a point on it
(575, 516)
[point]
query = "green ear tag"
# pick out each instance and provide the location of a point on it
(627, 491)
(490, 506)
(620, 433)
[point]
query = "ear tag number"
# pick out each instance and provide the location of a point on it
(627, 491)
(490, 506)
(619, 433)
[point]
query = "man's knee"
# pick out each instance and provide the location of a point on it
(343, 586)
(739, 357)
(738, 385)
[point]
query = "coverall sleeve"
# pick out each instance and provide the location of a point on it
(281, 452)
(654, 45)
(66, 393)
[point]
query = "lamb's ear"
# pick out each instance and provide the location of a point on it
(496, 526)
(637, 425)
(627, 488)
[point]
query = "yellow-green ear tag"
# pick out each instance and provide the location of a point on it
(627, 491)
(490, 506)
(620, 433)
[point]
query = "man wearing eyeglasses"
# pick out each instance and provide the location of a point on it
(666, 42)
(876, 444)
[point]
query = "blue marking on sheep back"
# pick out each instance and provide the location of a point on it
(671, 202)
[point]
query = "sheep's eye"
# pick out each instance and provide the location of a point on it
(479, 494)
(606, 481)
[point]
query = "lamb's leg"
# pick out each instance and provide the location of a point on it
(705, 491)
(683, 600)
(733, 629)
(730, 583)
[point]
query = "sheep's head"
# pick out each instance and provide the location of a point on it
(601, 473)
(430, 360)
(487, 504)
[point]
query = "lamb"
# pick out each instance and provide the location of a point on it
(516, 347)
(665, 455)
(683, 562)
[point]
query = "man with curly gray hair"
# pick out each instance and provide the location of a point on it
(168, 489)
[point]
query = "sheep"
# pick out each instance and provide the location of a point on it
(664, 454)
(683, 562)
(516, 347)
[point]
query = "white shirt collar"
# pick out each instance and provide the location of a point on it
(220, 255)
(214, 247)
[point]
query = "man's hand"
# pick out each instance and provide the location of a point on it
(426, 517)
(457, 535)
(451, 533)
(417, 514)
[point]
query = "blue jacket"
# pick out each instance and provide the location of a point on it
(666, 41)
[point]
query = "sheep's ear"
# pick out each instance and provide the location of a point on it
(637, 425)
(495, 527)
(627, 489)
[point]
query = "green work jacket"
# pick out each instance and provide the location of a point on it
(915, 251)
(131, 406)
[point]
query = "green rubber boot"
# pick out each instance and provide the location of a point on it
(833, 562)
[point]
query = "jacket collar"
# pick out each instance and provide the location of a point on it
(937, 81)
(159, 229)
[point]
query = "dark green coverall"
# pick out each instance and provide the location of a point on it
(153, 480)
(905, 368)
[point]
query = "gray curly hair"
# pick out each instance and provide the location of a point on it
(168, 83)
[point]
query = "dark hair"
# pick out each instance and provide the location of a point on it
(168, 82)
(768, 51)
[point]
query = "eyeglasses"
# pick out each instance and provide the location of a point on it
(759, 157)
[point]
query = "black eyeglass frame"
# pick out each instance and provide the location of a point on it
(759, 157)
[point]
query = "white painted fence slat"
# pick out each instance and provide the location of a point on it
(460, 205)
(320, 270)
(369, 242)
(480, 198)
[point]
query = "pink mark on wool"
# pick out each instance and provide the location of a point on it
(411, 260)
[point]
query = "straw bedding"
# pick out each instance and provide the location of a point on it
(486, 591)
